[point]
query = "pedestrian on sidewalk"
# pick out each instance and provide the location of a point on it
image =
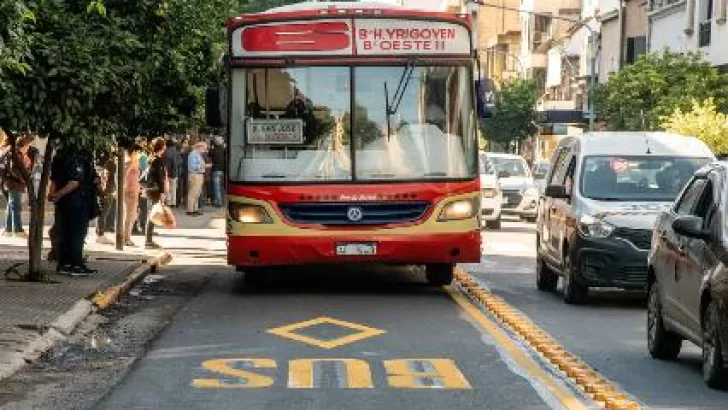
(71, 173)
(184, 152)
(218, 170)
(105, 222)
(14, 184)
(132, 189)
(141, 224)
(206, 197)
(196, 168)
(172, 163)
(156, 186)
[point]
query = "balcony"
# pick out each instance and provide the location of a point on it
(704, 32)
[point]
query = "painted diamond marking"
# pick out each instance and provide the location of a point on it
(360, 332)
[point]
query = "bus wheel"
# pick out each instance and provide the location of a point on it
(439, 274)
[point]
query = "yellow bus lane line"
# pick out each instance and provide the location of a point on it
(586, 379)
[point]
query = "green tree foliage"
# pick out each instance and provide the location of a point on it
(702, 121)
(14, 20)
(515, 112)
(655, 86)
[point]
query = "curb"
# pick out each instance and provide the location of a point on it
(104, 298)
(64, 325)
(572, 368)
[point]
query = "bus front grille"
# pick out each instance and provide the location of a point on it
(366, 213)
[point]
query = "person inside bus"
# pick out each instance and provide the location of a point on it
(301, 108)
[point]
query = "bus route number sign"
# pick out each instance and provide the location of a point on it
(275, 132)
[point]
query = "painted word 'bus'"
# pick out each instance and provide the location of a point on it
(352, 135)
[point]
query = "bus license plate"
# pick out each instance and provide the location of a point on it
(356, 249)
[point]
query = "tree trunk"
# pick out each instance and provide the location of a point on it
(37, 217)
(119, 198)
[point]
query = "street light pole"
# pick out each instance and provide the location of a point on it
(594, 49)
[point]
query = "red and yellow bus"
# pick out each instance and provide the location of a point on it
(352, 136)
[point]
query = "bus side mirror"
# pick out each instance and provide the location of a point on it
(213, 113)
(484, 98)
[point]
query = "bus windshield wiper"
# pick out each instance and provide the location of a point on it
(393, 106)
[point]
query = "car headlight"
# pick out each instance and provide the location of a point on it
(596, 228)
(532, 191)
(249, 214)
(460, 209)
(490, 192)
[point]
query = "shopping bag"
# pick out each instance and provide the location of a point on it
(170, 222)
(156, 215)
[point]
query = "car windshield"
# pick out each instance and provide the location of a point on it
(296, 125)
(510, 167)
(636, 178)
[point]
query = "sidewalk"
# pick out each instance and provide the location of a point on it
(36, 316)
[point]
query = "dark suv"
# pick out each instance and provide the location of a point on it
(688, 275)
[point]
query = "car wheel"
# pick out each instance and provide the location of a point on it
(662, 343)
(574, 293)
(494, 224)
(546, 279)
(714, 369)
(439, 274)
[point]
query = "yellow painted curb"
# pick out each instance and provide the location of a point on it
(104, 298)
(581, 375)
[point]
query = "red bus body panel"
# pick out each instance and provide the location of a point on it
(408, 243)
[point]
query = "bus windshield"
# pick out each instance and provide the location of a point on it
(318, 124)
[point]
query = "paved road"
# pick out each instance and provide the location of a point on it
(398, 344)
(609, 333)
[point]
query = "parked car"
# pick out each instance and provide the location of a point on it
(604, 192)
(688, 275)
(492, 197)
(540, 170)
(520, 196)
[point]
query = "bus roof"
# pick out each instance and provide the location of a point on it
(314, 9)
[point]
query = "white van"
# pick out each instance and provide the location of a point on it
(520, 195)
(491, 196)
(603, 194)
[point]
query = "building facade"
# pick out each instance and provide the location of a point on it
(623, 34)
(689, 25)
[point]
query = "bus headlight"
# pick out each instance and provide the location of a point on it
(489, 192)
(460, 209)
(248, 214)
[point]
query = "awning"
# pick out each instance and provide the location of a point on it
(563, 116)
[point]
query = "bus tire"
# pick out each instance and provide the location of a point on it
(440, 274)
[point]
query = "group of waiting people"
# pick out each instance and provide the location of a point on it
(165, 171)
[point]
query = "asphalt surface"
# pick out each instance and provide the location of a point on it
(219, 351)
(608, 333)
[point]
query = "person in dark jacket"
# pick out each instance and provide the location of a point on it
(218, 171)
(106, 221)
(73, 182)
(156, 186)
(184, 152)
(172, 163)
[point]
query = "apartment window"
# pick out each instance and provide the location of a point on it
(706, 20)
(636, 46)
(542, 24)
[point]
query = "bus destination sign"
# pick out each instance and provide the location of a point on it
(376, 37)
(275, 132)
(365, 37)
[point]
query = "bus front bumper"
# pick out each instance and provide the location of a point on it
(260, 251)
